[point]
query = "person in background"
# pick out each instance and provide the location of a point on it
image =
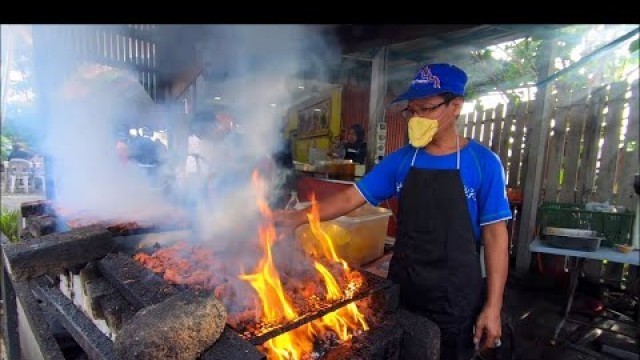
(150, 155)
(213, 138)
(122, 143)
(452, 203)
(208, 129)
(146, 151)
(355, 148)
(285, 181)
(18, 152)
(337, 148)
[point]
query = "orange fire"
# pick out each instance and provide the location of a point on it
(325, 240)
(277, 306)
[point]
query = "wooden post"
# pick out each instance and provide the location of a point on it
(535, 155)
(376, 102)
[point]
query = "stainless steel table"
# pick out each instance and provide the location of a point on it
(604, 253)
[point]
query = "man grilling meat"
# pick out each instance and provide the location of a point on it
(452, 202)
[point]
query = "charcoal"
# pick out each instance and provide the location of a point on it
(180, 328)
(55, 252)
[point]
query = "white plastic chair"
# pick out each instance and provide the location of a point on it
(4, 176)
(19, 173)
(38, 173)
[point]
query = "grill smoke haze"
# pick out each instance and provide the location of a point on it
(255, 66)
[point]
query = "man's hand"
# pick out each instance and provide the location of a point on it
(496, 254)
(289, 219)
(488, 329)
(337, 205)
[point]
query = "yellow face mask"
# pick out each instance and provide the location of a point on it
(421, 131)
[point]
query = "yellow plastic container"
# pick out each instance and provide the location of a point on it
(357, 237)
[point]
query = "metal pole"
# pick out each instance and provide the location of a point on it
(376, 102)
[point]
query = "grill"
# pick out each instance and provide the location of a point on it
(76, 289)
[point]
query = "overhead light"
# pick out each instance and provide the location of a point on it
(217, 98)
(273, 105)
(301, 87)
(317, 110)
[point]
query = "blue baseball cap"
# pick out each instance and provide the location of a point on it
(434, 79)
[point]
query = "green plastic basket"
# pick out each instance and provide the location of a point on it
(616, 227)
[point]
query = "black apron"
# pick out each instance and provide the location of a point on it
(435, 258)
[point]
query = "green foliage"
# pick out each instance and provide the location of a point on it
(9, 224)
(516, 64)
(500, 68)
(604, 68)
(5, 147)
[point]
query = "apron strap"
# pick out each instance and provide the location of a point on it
(413, 160)
(457, 152)
(483, 269)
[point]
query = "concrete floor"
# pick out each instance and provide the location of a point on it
(536, 304)
(12, 201)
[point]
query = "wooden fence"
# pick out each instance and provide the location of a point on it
(591, 152)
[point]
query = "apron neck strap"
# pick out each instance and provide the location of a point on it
(457, 152)
(413, 160)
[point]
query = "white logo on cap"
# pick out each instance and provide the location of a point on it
(426, 77)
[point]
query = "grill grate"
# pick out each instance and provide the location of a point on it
(373, 285)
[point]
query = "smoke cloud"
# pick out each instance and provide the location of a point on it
(256, 68)
(84, 119)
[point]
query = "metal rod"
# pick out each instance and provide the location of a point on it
(575, 274)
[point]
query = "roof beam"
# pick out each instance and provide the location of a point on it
(358, 38)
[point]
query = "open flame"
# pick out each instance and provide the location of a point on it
(277, 296)
(276, 305)
(326, 243)
(266, 280)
